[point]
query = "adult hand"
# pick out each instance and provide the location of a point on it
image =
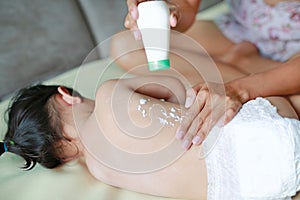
(209, 104)
(133, 15)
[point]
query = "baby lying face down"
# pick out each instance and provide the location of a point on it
(51, 125)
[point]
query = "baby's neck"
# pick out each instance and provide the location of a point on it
(82, 112)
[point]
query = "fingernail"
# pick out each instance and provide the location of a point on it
(173, 21)
(188, 102)
(186, 144)
(190, 93)
(133, 14)
(179, 134)
(196, 140)
(136, 35)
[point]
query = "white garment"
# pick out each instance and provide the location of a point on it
(256, 156)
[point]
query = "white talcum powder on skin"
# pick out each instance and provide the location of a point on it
(168, 117)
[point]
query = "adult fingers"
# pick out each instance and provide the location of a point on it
(211, 119)
(174, 14)
(193, 129)
(132, 9)
(190, 97)
(208, 115)
(209, 111)
(132, 16)
(221, 114)
(231, 111)
(191, 94)
(131, 24)
(191, 114)
(197, 87)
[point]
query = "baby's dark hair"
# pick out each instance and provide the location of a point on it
(33, 132)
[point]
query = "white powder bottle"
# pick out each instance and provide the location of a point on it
(154, 25)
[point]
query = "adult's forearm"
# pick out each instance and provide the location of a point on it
(187, 13)
(280, 81)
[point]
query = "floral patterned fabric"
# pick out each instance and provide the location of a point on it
(275, 30)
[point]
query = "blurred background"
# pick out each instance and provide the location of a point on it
(40, 39)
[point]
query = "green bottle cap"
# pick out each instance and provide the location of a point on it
(159, 65)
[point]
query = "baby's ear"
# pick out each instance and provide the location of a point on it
(67, 97)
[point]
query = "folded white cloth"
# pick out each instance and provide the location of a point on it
(255, 156)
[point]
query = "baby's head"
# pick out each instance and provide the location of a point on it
(35, 127)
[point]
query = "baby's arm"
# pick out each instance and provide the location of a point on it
(161, 87)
